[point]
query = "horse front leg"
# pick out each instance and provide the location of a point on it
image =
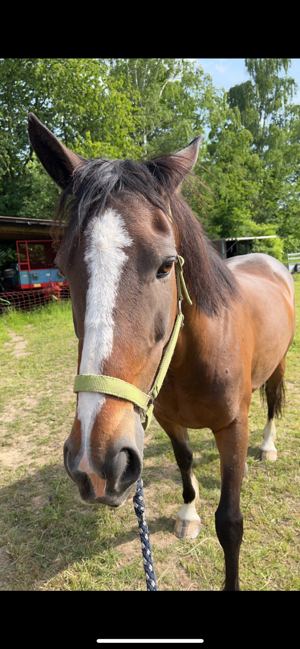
(187, 524)
(232, 443)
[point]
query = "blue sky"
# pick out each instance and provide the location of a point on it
(226, 73)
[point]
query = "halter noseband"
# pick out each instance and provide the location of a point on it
(122, 389)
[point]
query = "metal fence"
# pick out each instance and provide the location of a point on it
(293, 262)
(29, 300)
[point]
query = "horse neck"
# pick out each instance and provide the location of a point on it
(199, 339)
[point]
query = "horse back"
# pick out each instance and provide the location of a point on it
(266, 309)
(264, 267)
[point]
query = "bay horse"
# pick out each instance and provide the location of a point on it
(127, 227)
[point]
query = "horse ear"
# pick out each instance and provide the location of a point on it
(186, 160)
(171, 169)
(190, 153)
(58, 161)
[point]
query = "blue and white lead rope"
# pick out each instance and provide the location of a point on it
(140, 510)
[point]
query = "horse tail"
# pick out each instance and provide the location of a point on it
(275, 397)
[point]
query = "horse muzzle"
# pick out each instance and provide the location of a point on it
(107, 481)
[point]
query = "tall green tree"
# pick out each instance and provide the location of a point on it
(174, 97)
(233, 173)
(288, 199)
(262, 99)
(267, 112)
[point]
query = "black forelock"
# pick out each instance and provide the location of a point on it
(100, 182)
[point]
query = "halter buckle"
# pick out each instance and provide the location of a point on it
(151, 397)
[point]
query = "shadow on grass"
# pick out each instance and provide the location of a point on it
(254, 452)
(153, 475)
(46, 529)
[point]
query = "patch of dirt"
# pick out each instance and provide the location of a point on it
(17, 345)
(21, 456)
(292, 387)
(38, 502)
(129, 549)
(173, 577)
(168, 576)
(31, 403)
(28, 451)
(8, 416)
(16, 409)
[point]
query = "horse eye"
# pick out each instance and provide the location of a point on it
(165, 268)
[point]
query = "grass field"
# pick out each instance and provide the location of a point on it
(49, 540)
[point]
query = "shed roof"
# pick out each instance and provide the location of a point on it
(13, 228)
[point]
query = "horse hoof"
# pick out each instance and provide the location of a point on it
(268, 455)
(186, 529)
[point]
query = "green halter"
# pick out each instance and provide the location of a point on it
(124, 390)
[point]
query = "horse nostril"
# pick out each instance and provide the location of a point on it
(133, 466)
(123, 469)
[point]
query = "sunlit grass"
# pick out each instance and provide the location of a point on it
(52, 541)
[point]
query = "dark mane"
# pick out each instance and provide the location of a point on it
(210, 282)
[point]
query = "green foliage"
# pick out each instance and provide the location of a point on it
(79, 101)
(274, 247)
(173, 96)
(234, 178)
(138, 108)
(254, 158)
(263, 99)
(8, 253)
(40, 192)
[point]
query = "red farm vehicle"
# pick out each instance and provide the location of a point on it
(33, 279)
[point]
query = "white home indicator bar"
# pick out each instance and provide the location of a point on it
(146, 641)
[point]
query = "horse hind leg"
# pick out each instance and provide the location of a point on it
(274, 389)
(187, 523)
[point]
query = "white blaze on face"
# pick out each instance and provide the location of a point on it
(106, 237)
